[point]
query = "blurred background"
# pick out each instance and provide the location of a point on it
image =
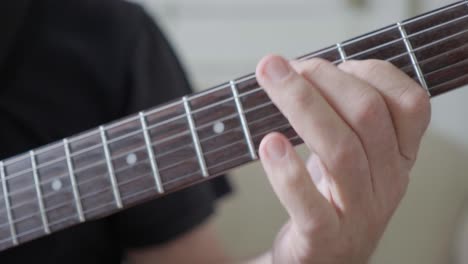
(219, 40)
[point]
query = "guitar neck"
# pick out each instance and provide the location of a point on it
(199, 136)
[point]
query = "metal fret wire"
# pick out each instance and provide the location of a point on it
(244, 94)
(110, 168)
(245, 78)
(318, 54)
(195, 139)
(7, 205)
(71, 173)
(149, 149)
(245, 127)
(414, 60)
(262, 132)
(342, 52)
(39, 193)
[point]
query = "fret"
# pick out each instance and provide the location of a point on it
(131, 159)
(433, 60)
(154, 166)
(39, 192)
(385, 44)
(245, 127)
(173, 147)
(71, 174)
(92, 174)
(23, 198)
(219, 129)
(110, 167)
(342, 52)
(195, 138)
(216, 118)
(446, 31)
(6, 200)
(56, 187)
(373, 45)
(414, 60)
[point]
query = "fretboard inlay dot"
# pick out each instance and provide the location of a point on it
(218, 127)
(56, 185)
(131, 159)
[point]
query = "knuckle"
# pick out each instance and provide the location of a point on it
(369, 109)
(343, 153)
(293, 176)
(302, 96)
(417, 103)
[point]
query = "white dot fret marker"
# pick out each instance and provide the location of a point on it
(218, 127)
(56, 185)
(131, 159)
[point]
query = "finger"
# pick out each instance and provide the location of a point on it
(321, 128)
(287, 173)
(407, 101)
(364, 109)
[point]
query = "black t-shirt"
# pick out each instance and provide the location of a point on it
(70, 65)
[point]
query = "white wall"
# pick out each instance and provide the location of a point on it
(222, 39)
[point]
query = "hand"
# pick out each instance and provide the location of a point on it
(363, 122)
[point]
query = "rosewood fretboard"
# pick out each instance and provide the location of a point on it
(200, 136)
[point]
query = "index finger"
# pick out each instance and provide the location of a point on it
(316, 122)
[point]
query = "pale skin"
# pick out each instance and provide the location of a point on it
(363, 122)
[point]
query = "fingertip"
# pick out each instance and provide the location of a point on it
(271, 69)
(274, 147)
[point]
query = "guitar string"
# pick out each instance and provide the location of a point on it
(113, 158)
(424, 62)
(259, 134)
(231, 117)
(430, 14)
(48, 163)
(139, 177)
(135, 150)
(20, 235)
(344, 44)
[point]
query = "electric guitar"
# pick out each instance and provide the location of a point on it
(200, 136)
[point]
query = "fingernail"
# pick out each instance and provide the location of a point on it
(277, 69)
(276, 149)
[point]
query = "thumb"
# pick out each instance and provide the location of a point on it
(287, 173)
